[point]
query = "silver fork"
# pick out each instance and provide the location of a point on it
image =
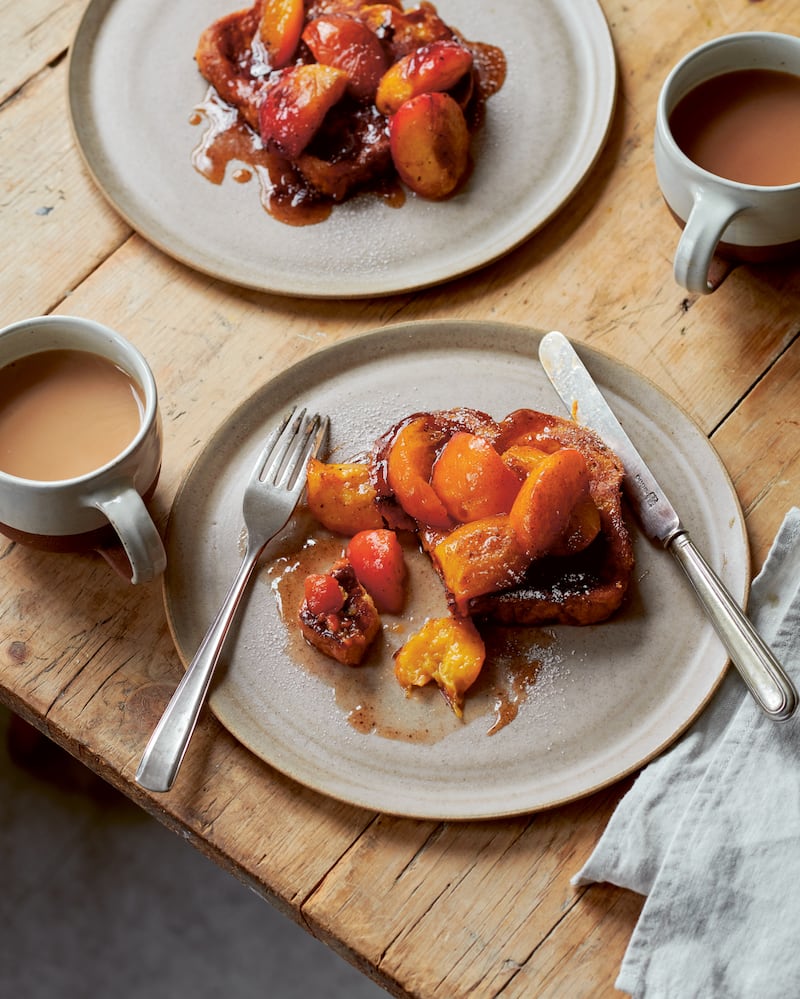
(269, 500)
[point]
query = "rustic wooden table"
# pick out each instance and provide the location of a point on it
(425, 908)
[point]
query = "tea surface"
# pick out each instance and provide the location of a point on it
(744, 126)
(64, 413)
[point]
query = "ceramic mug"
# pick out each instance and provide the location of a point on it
(744, 222)
(101, 508)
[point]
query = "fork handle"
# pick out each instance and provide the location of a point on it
(164, 752)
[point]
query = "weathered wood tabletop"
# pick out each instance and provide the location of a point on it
(426, 908)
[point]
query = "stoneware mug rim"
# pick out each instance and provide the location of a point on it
(667, 101)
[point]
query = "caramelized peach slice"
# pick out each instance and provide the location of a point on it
(428, 69)
(344, 42)
(542, 509)
(296, 105)
(429, 140)
(341, 496)
(449, 651)
(522, 459)
(280, 29)
(408, 471)
(472, 480)
(483, 556)
(582, 528)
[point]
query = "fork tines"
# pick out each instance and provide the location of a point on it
(298, 436)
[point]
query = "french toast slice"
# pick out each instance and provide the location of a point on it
(224, 57)
(347, 634)
(581, 587)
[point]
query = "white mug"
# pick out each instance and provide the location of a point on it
(738, 221)
(74, 514)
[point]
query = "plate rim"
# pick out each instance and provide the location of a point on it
(589, 17)
(413, 328)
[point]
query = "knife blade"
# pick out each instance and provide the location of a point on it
(762, 673)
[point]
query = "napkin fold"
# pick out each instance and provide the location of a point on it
(710, 832)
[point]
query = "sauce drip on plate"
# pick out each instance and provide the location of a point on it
(517, 658)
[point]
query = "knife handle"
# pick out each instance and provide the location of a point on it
(760, 670)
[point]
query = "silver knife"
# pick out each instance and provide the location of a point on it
(760, 670)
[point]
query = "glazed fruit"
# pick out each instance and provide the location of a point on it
(543, 507)
(447, 650)
(429, 140)
(522, 459)
(295, 106)
(348, 44)
(428, 69)
(323, 594)
(521, 519)
(279, 30)
(480, 557)
(582, 528)
(409, 467)
(561, 553)
(403, 461)
(403, 31)
(346, 97)
(341, 496)
(378, 562)
(472, 480)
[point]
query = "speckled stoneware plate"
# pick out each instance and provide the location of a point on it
(133, 85)
(592, 703)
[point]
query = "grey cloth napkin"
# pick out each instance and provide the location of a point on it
(710, 832)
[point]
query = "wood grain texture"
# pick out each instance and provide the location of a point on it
(428, 909)
(33, 36)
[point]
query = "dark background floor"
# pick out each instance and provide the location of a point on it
(97, 899)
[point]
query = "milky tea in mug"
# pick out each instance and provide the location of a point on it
(727, 152)
(743, 125)
(64, 413)
(80, 443)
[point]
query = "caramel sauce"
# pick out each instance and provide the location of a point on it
(369, 695)
(228, 140)
(491, 66)
(515, 655)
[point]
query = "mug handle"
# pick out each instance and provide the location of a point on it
(141, 542)
(712, 212)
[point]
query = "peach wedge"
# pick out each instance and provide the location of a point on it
(429, 142)
(294, 108)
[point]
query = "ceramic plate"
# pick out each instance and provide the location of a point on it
(604, 698)
(133, 84)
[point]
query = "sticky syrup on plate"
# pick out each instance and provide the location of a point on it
(369, 695)
(228, 142)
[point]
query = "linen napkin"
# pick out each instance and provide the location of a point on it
(710, 832)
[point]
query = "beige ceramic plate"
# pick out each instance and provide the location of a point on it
(606, 699)
(133, 85)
